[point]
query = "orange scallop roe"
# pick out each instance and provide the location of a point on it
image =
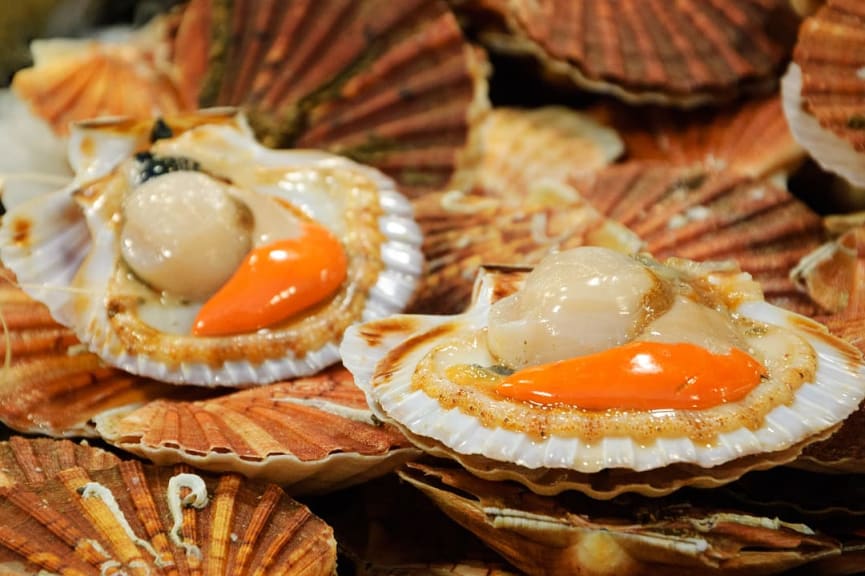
(639, 376)
(274, 282)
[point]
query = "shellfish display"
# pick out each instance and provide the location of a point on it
(296, 246)
(706, 372)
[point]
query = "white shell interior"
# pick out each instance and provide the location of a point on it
(837, 390)
(63, 248)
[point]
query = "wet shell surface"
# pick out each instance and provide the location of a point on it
(749, 136)
(309, 435)
(428, 375)
(50, 384)
(687, 54)
(543, 535)
(702, 214)
(107, 271)
(394, 85)
(464, 231)
(120, 74)
(824, 89)
(132, 518)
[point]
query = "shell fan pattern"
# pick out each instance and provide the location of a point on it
(127, 261)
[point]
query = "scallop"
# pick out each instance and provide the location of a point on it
(186, 252)
(597, 361)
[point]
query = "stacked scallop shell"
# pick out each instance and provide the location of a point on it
(89, 513)
(399, 88)
(824, 89)
(682, 54)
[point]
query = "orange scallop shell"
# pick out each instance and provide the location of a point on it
(132, 518)
(33, 461)
(49, 383)
(312, 434)
(394, 85)
(749, 136)
(683, 53)
(636, 536)
(700, 214)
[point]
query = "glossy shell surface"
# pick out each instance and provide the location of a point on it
(382, 248)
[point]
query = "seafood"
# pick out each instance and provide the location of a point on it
(138, 519)
(122, 256)
(824, 89)
(506, 382)
(692, 211)
(308, 435)
(686, 54)
(33, 461)
(543, 535)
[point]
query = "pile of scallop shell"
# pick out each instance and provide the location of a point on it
(428, 286)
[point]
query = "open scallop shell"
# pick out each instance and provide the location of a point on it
(824, 89)
(49, 383)
(123, 75)
(683, 54)
(308, 435)
(66, 256)
(749, 136)
(701, 214)
(574, 535)
(137, 519)
(394, 85)
(463, 231)
(384, 354)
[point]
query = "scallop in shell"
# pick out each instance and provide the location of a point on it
(515, 379)
(123, 256)
(132, 519)
(312, 434)
(687, 53)
(33, 461)
(824, 89)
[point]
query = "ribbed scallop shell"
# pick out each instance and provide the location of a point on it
(521, 151)
(384, 354)
(33, 461)
(54, 243)
(684, 53)
(50, 384)
(750, 136)
(464, 231)
(824, 88)
(574, 535)
(308, 435)
(135, 519)
(74, 80)
(701, 214)
(394, 85)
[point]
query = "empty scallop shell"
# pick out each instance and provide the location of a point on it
(521, 151)
(543, 535)
(391, 85)
(33, 461)
(133, 518)
(74, 80)
(383, 356)
(749, 136)
(685, 54)
(464, 231)
(701, 214)
(308, 435)
(824, 89)
(64, 249)
(49, 383)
